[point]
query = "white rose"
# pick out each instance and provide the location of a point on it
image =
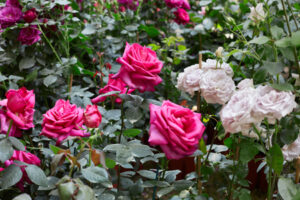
(257, 14)
(188, 81)
(216, 86)
(291, 151)
(219, 52)
(236, 115)
(246, 83)
(273, 104)
(212, 64)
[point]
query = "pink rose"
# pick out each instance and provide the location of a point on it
(30, 15)
(92, 117)
(112, 85)
(29, 35)
(178, 4)
(63, 120)
(182, 17)
(130, 4)
(9, 16)
(13, 3)
(140, 68)
(26, 158)
(18, 107)
(176, 129)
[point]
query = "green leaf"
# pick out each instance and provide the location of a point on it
(248, 151)
(283, 87)
(110, 163)
(289, 41)
(10, 176)
(36, 175)
(32, 76)
(275, 158)
(147, 174)
(150, 30)
(23, 196)
(273, 68)
(277, 32)
(287, 189)
(17, 144)
(6, 150)
(49, 80)
(132, 132)
(260, 76)
(164, 191)
(89, 29)
(26, 63)
(54, 149)
(202, 146)
(96, 175)
(260, 40)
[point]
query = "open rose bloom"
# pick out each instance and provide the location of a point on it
(62, 121)
(177, 130)
(140, 68)
(18, 107)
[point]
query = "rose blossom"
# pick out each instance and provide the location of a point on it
(92, 117)
(140, 68)
(236, 115)
(212, 64)
(130, 4)
(216, 86)
(182, 17)
(13, 3)
(273, 104)
(63, 120)
(178, 4)
(188, 81)
(9, 16)
(29, 35)
(246, 83)
(18, 107)
(291, 151)
(30, 15)
(257, 14)
(177, 130)
(25, 157)
(112, 85)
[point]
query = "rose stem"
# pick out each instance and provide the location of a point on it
(290, 34)
(10, 125)
(297, 170)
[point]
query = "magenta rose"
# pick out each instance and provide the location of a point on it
(13, 3)
(140, 68)
(92, 117)
(177, 130)
(178, 4)
(29, 35)
(25, 157)
(112, 85)
(9, 16)
(182, 17)
(63, 120)
(30, 15)
(18, 108)
(130, 4)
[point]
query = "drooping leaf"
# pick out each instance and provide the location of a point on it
(10, 176)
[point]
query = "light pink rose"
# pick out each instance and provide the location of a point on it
(113, 85)
(216, 86)
(237, 115)
(140, 68)
(25, 157)
(246, 83)
(273, 104)
(63, 120)
(92, 117)
(177, 130)
(291, 151)
(182, 17)
(212, 64)
(18, 107)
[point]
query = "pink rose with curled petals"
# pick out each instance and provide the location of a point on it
(112, 85)
(18, 107)
(29, 35)
(62, 121)
(177, 130)
(9, 16)
(25, 157)
(182, 17)
(92, 117)
(140, 68)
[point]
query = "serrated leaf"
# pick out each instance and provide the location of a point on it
(10, 176)
(89, 29)
(273, 68)
(26, 63)
(277, 32)
(36, 175)
(260, 40)
(96, 175)
(17, 144)
(132, 132)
